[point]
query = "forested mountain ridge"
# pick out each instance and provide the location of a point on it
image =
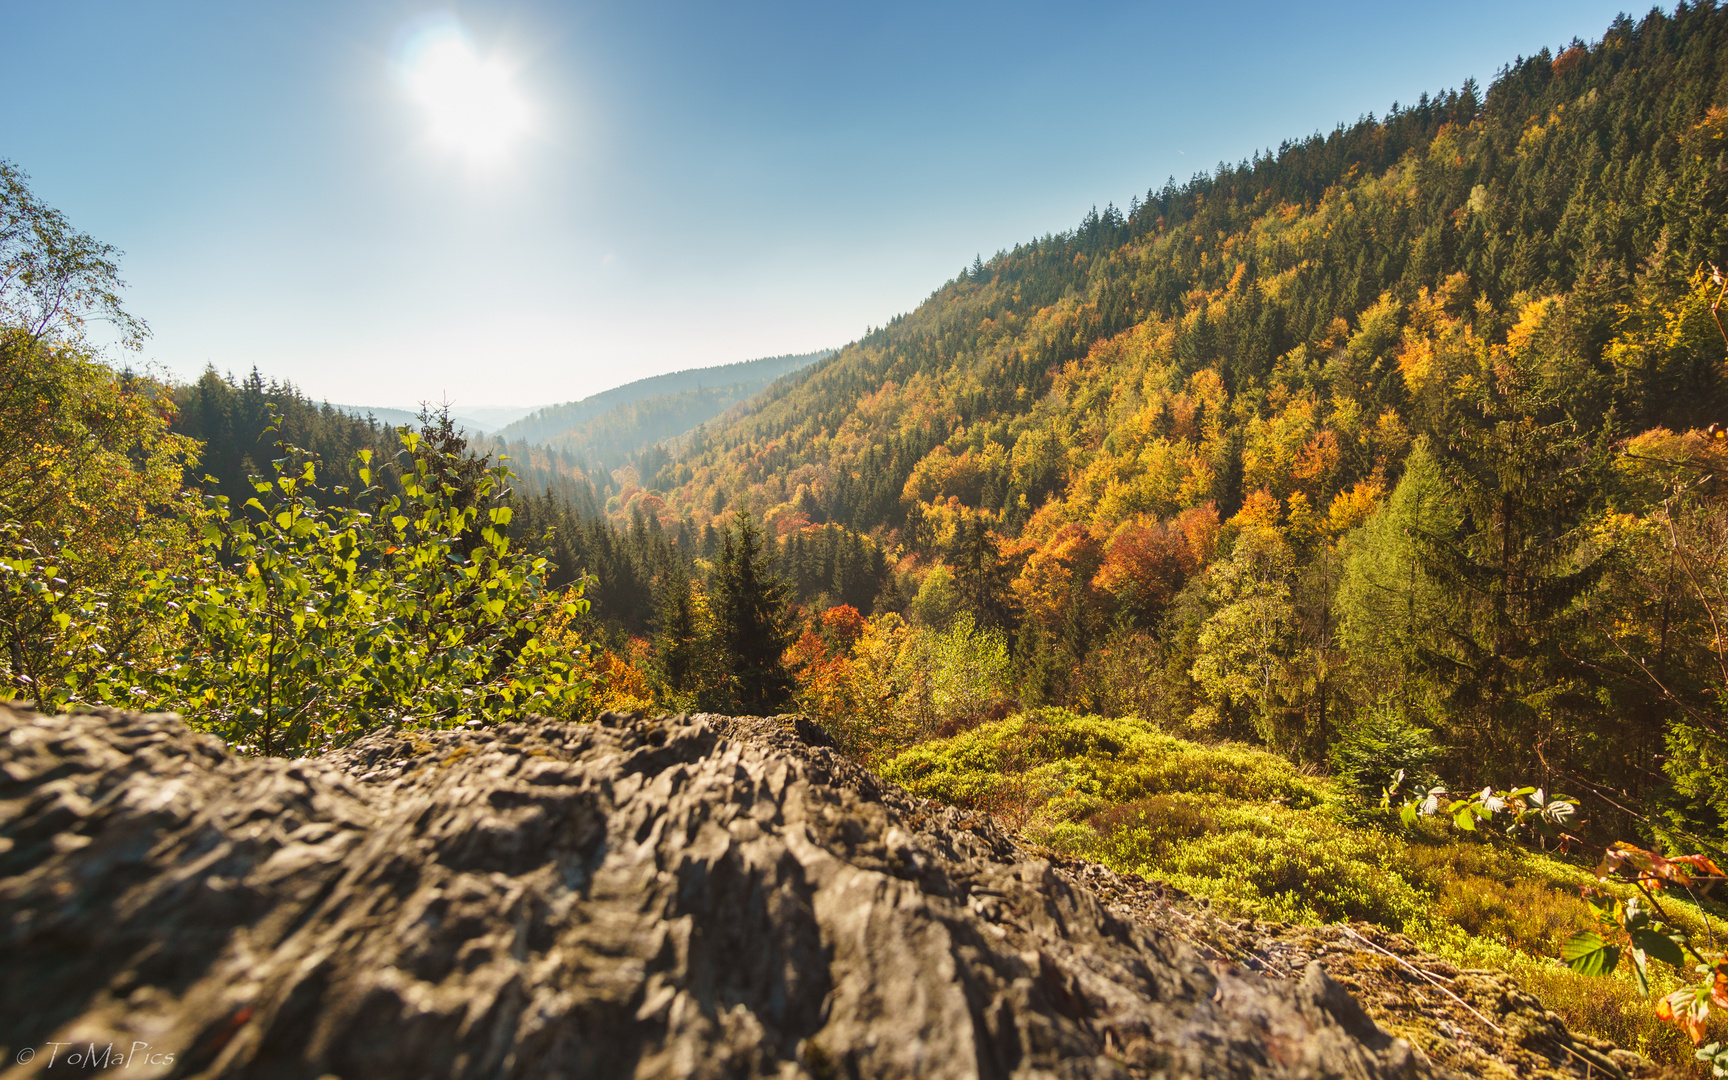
(474, 419)
(1482, 295)
(1330, 265)
(611, 425)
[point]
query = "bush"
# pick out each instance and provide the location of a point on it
(1089, 763)
(1248, 831)
(1369, 753)
(300, 626)
(968, 669)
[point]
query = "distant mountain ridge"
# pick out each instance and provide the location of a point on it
(479, 419)
(613, 425)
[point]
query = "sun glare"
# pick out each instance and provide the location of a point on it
(471, 102)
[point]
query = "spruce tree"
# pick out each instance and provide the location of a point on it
(751, 626)
(1522, 474)
(678, 650)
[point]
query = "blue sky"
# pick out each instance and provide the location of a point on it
(693, 184)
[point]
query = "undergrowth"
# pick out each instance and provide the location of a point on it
(1247, 830)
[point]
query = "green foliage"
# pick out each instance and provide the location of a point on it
(1399, 307)
(678, 646)
(750, 627)
(609, 427)
(90, 503)
(311, 625)
(54, 280)
(241, 424)
(1389, 604)
(1381, 747)
(1246, 645)
(968, 669)
(937, 598)
(828, 566)
(1248, 831)
(1586, 953)
(90, 496)
(1523, 473)
(1637, 926)
(1088, 763)
(300, 626)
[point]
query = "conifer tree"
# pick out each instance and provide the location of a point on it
(1523, 474)
(1388, 603)
(751, 626)
(977, 571)
(678, 651)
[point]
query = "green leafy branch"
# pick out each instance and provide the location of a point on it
(1525, 811)
(1637, 926)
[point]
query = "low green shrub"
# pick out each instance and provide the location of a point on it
(1088, 764)
(1257, 837)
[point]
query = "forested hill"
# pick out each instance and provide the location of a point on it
(1482, 293)
(619, 422)
(1339, 267)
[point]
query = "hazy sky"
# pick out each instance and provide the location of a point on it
(522, 203)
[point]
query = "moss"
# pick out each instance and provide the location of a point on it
(1089, 763)
(1247, 830)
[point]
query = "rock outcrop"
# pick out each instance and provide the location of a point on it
(684, 897)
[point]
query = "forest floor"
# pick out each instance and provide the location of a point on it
(1434, 930)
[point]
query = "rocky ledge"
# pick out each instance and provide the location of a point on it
(683, 897)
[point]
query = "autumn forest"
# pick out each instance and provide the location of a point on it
(1390, 461)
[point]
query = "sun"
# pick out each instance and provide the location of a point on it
(471, 102)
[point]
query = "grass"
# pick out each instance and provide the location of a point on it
(1259, 838)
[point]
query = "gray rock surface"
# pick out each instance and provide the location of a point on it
(686, 897)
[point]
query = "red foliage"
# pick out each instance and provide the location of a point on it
(1145, 564)
(842, 626)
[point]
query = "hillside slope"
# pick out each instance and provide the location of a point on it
(610, 426)
(1215, 329)
(475, 420)
(1488, 314)
(676, 897)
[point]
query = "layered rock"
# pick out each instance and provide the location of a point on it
(684, 897)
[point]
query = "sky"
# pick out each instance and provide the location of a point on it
(521, 203)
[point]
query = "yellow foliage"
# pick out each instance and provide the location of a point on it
(1351, 508)
(1531, 320)
(1260, 510)
(1416, 361)
(619, 684)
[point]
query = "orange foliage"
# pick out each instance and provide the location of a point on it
(1316, 463)
(842, 626)
(1145, 564)
(1260, 509)
(1200, 527)
(1047, 581)
(788, 523)
(807, 651)
(619, 684)
(823, 671)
